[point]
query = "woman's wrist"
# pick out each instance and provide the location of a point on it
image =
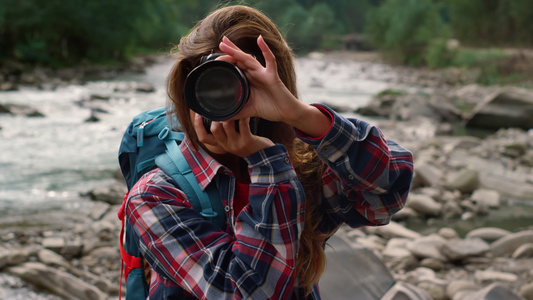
(310, 120)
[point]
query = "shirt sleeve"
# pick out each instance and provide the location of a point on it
(256, 262)
(367, 178)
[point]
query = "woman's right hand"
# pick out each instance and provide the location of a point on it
(225, 138)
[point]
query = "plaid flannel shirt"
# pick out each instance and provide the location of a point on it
(367, 179)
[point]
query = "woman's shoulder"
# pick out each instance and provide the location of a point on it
(154, 182)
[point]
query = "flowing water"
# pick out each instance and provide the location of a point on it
(47, 163)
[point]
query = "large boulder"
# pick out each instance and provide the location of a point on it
(508, 244)
(400, 105)
(494, 291)
(343, 277)
(56, 281)
(511, 107)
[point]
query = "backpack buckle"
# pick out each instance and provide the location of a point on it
(164, 133)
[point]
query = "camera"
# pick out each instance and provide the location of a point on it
(216, 89)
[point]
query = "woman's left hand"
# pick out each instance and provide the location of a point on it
(270, 99)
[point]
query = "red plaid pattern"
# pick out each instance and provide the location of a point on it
(367, 180)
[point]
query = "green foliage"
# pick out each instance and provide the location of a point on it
(439, 54)
(391, 92)
(475, 58)
(403, 29)
(414, 32)
(307, 25)
(492, 22)
(57, 32)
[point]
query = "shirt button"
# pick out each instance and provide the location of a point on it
(351, 177)
(227, 208)
(325, 148)
(286, 160)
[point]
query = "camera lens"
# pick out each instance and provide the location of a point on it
(217, 90)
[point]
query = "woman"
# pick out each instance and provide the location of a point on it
(286, 189)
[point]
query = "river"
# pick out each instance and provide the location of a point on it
(48, 163)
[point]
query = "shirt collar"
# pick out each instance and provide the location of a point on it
(203, 165)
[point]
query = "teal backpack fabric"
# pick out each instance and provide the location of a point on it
(149, 143)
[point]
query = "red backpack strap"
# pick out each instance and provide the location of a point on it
(129, 262)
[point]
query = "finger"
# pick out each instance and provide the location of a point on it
(199, 126)
(243, 60)
(270, 59)
(244, 126)
(202, 134)
(218, 132)
(227, 58)
(228, 42)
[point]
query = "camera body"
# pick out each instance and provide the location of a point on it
(217, 90)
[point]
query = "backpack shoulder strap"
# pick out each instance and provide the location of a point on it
(207, 202)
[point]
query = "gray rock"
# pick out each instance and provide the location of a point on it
(98, 210)
(343, 277)
(422, 274)
(57, 282)
(397, 248)
(50, 258)
(73, 247)
(523, 251)
(427, 175)
(20, 110)
(405, 291)
(456, 286)
(391, 230)
(488, 198)
(54, 243)
(424, 205)
(465, 181)
(428, 247)
(448, 233)
(144, 87)
(457, 250)
(491, 292)
(492, 276)
(435, 291)
(406, 213)
(373, 242)
(451, 209)
(488, 234)
(105, 230)
(113, 194)
(510, 107)
(433, 264)
(508, 244)
(11, 256)
(526, 291)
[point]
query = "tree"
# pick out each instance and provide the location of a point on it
(403, 29)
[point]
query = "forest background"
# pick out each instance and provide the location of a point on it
(428, 33)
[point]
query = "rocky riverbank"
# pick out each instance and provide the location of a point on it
(14, 74)
(463, 173)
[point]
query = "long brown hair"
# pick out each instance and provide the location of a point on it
(242, 25)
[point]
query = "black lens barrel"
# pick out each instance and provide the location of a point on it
(216, 89)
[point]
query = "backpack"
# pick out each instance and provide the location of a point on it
(149, 143)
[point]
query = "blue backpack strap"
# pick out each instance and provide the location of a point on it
(207, 202)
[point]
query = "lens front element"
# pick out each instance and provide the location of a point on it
(216, 90)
